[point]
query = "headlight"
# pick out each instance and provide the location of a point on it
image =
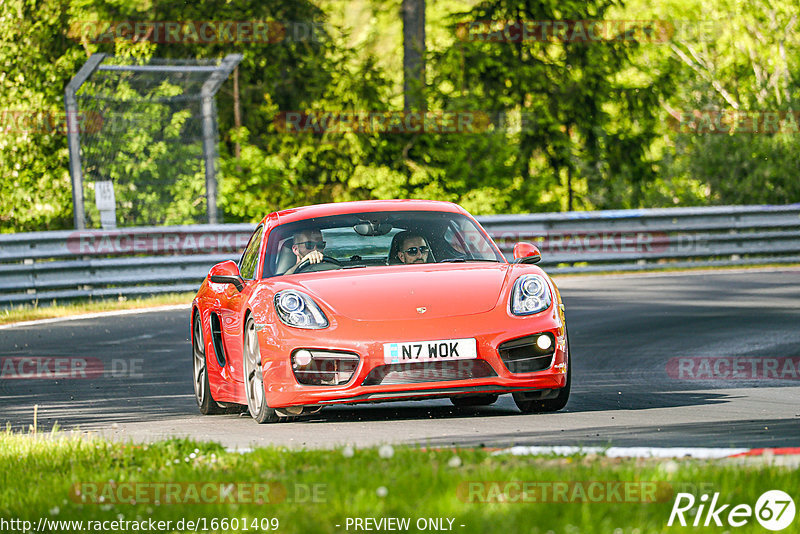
(530, 295)
(299, 310)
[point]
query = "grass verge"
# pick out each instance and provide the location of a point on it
(318, 490)
(57, 309)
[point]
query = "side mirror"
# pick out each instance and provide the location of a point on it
(226, 272)
(526, 253)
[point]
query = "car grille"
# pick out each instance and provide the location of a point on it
(419, 372)
(523, 356)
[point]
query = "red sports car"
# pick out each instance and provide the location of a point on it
(376, 301)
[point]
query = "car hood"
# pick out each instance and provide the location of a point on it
(402, 292)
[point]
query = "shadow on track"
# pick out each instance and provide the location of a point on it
(748, 433)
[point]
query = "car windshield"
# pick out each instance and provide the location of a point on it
(379, 239)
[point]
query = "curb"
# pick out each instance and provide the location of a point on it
(705, 453)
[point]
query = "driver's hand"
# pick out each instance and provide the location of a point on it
(315, 256)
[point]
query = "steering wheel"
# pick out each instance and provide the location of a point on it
(325, 259)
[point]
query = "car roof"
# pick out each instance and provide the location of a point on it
(361, 206)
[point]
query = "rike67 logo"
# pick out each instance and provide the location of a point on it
(774, 510)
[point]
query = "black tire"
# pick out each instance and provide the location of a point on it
(254, 378)
(202, 391)
(475, 400)
(526, 405)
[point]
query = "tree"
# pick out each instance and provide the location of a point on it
(413, 54)
(728, 60)
(36, 61)
(585, 127)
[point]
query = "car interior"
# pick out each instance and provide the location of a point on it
(356, 241)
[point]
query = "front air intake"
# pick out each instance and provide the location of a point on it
(526, 355)
(420, 372)
(313, 367)
(216, 338)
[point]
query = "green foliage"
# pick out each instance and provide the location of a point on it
(747, 168)
(725, 57)
(582, 118)
(35, 59)
(592, 121)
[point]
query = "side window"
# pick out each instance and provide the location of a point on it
(247, 265)
(455, 239)
(464, 238)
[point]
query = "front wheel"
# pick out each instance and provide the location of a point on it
(254, 377)
(527, 405)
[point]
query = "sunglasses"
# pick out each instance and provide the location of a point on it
(319, 245)
(413, 251)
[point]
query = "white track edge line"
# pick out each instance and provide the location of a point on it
(96, 315)
(628, 452)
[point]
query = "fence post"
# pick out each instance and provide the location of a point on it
(73, 136)
(210, 88)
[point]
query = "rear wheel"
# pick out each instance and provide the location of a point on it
(527, 405)
(254, 377)
(202, 392)
(474, 400)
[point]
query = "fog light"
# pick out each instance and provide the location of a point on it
(316, 367)
(302, 358)
(543, 342)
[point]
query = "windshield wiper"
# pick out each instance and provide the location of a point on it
(360, 265)
(462, 260)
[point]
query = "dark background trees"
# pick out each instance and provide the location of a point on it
(574, 124)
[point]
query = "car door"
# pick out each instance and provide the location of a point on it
(232, 308)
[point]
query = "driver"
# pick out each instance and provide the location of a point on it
(413, 248)
(308, 245)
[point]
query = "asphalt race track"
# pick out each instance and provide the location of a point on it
(703, 359)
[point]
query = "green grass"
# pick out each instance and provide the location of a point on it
(38, 477)
(59, 309)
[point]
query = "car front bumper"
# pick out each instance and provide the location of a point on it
(366, 339)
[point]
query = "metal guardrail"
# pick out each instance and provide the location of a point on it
(45, 266)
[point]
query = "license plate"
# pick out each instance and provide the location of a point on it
(430, 351)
